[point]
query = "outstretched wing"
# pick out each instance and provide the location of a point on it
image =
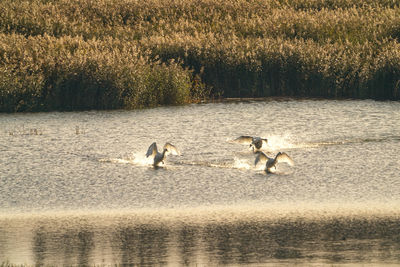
(171, 149)
(261, 157)
(283, 157)
(152, 150)
(244, 139)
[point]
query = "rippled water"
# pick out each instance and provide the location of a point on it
(76, 188)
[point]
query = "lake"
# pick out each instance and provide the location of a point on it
(76, 188)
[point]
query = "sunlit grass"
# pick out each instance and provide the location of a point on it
(81, 54)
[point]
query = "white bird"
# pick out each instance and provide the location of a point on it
(255, 142)
(271, 162)
(160, 157)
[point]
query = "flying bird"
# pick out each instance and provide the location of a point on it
(255, 142)
(272, 162)
(159, 157)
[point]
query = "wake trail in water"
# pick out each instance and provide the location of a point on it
(348, 141)
(235, 164)
(140, 160)
(135, 159)
(277, 143)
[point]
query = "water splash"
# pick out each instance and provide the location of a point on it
(141, 159)
(279, 142)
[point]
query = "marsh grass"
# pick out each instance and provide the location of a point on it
(69, 73)
(82, 54)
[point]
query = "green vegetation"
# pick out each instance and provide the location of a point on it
(106, 54)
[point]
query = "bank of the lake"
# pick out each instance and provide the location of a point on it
(80, 54)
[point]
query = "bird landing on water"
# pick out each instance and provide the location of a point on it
(255, 142)
(270, 163)
(159, 157)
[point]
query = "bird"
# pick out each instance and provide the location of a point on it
(159, 157)
(272, 162)
(255, 142)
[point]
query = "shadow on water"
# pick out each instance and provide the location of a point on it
(126, 241)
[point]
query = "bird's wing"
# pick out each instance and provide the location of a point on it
(261, 157)
(244, 139)
(152, 150)
(171, 149)
(283, 157)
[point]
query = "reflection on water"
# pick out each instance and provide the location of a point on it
(145, 239)
(142, 244)
(67, 245)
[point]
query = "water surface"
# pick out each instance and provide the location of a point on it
(76, 188)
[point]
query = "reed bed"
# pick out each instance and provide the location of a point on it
(69, 73)
(84, 54)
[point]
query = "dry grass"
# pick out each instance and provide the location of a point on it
(80, 54)
(70, 73)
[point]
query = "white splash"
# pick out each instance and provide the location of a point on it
(141, 159)
(279, 142)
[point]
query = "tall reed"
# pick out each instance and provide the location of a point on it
(80, 54)
(68, 73)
